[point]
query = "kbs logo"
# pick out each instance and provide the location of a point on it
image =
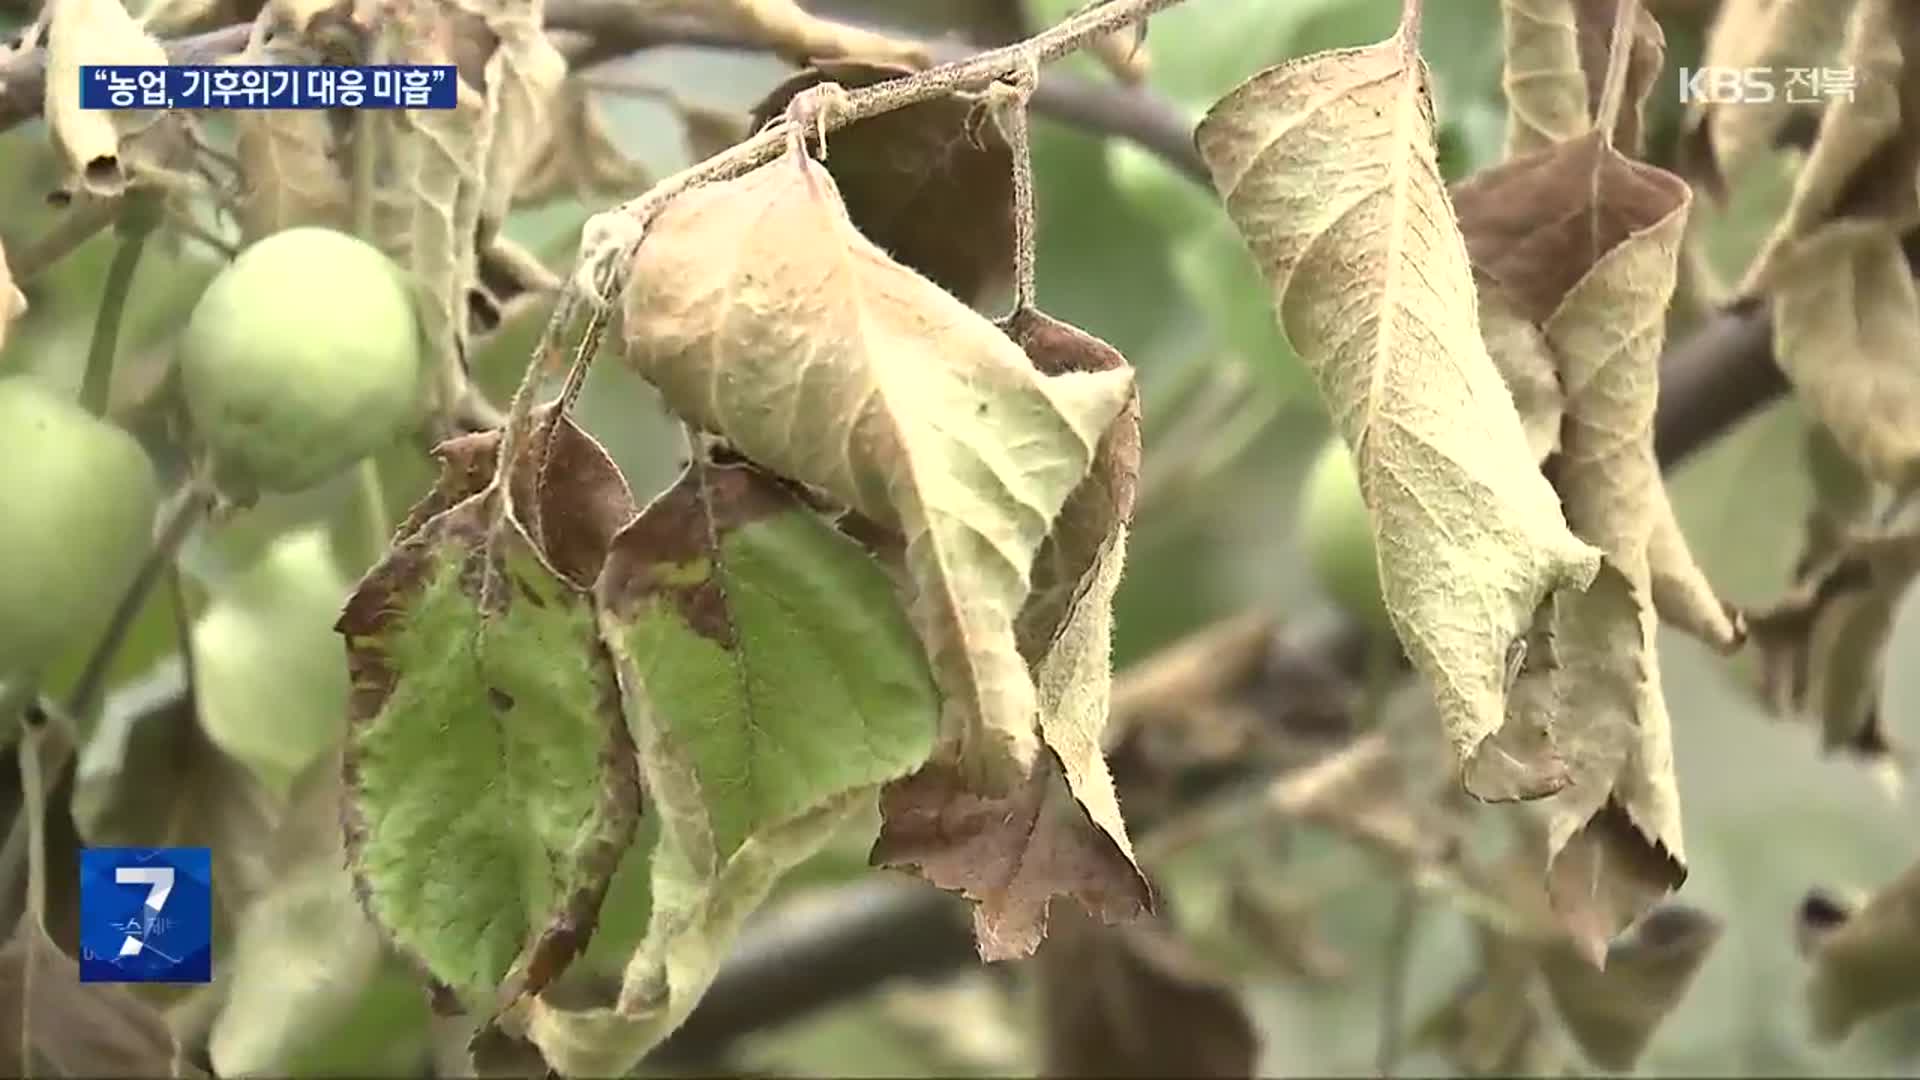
(1727, 86)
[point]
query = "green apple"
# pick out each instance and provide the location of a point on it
(1336, 533)
(302, 357)
(269, 671)
(76, 519)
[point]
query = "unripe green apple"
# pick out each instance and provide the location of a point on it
(269, 671)
(76, 518)
(1337, 534)
(302, 357)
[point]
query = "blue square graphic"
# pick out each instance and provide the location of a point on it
(146, 915)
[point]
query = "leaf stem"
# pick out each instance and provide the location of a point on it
(1410, 12)
(1619, 56)
(139, 213)
(1012, 116)
(193, 499)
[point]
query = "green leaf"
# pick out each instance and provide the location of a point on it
(699, 907)
(769, 646)
(491, 784)
(771, 682)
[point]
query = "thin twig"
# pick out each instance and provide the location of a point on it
(189, 503)
(961, 76)
(139, 214)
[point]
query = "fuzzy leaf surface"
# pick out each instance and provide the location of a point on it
(771, 650)
(762, 314)
(491, 784)
(1556, 62)
(1327, 166)
(1612, 244)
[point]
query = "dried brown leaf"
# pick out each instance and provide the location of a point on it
(1870, 962)
(437, 161)
(1846, 330)
(1133, 1001)
(54, 1025)
(1823, 645)
(1772, 34)
(1520, 350)
(89, 32)
(1556, 61)
(292, 164)
(1863, 162)
(1010, 855)
(1613, 244)
(1101, 505)
(1599, 280)
(762, 314)
(931, 184)
(523, 76)
(13, 302)
(1614, 1013)
(1328, 170)
(298, 15)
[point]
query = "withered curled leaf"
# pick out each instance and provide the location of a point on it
(1327, 166)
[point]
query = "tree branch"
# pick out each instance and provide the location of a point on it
(788, 965)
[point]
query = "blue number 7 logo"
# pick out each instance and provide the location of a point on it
(124, 935)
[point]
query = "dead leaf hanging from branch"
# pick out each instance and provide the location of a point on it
(1328, 169)
(762, 314)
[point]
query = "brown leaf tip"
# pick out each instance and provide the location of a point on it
(1010, 855)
